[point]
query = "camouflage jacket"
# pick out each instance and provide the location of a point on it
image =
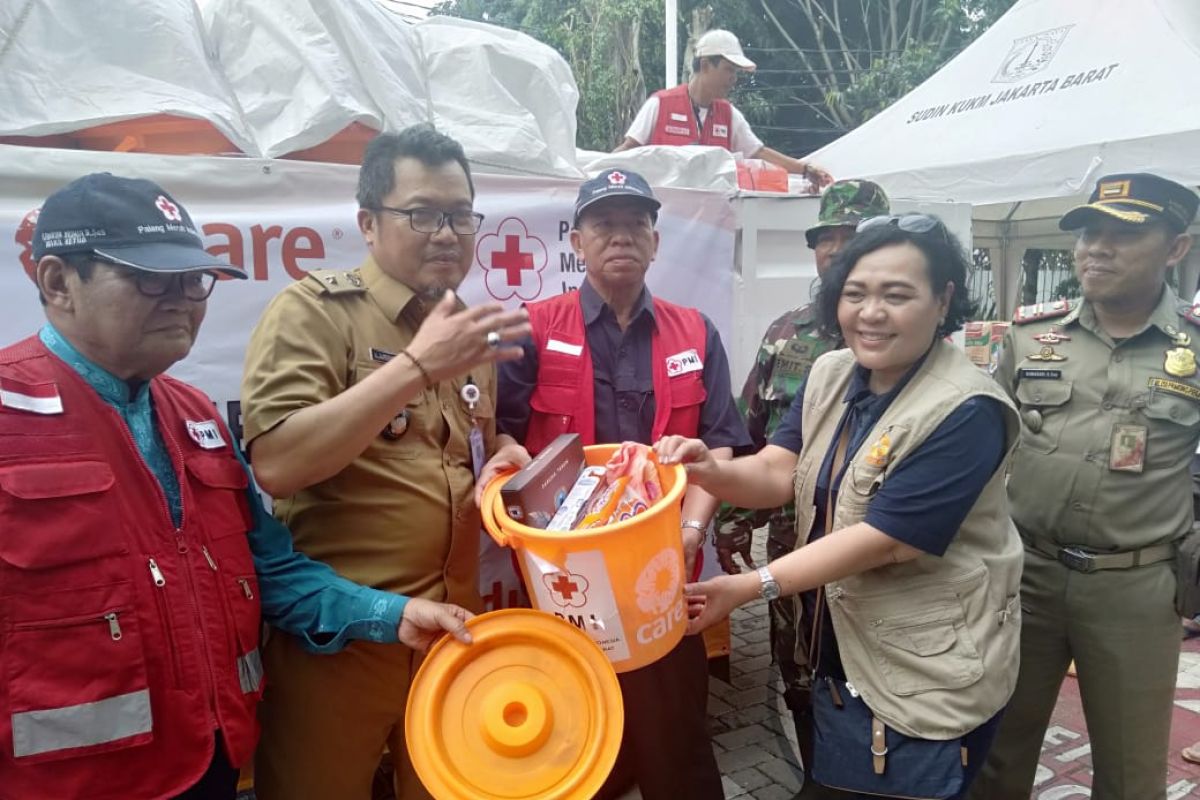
(788, 350)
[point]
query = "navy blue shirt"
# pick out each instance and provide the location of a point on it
(624, 380)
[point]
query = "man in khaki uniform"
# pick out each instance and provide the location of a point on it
(368, 400)
(1110, 406)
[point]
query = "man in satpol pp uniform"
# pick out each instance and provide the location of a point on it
(128, 522)
(1110, 407)
(788, 350)
(368, 402)
(699, 111)
(613, 363)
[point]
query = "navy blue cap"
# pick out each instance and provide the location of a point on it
(614, 183)
(128, 221)
(1136, 198)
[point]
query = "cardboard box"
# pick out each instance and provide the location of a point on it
(533, 495)
(982, 340)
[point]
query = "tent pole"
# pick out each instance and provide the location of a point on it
(672, 22)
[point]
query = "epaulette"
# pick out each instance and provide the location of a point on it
(1190, 312)
(338, 281)
(1041, 311)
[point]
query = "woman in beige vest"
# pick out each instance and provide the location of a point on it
(908, 564)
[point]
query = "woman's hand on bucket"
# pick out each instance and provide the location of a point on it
(713, 600)
(692, 453)
(509, 456)
(423, 621)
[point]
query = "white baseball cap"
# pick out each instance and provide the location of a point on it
(724, 44)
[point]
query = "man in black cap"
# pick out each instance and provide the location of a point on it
(613, 364)
(1110, 407)
(128, 521)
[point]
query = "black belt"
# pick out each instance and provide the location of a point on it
(1081, 559)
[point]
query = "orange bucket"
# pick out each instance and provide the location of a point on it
(622, 584)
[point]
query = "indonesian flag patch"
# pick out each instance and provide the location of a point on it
(36, 398)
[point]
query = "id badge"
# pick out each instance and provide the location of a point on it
(478, 454)
(1127, 452)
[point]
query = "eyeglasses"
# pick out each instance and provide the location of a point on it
(913, 223)
(431, 220)
(195, 285)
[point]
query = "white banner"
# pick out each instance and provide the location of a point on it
(278, 219)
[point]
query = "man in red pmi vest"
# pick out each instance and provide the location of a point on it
(612, 363)
(698, 112)
(134, 548)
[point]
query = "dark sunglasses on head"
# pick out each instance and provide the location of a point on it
(913, 223)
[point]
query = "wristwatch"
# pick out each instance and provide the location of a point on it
(770, 589)
(697, 524)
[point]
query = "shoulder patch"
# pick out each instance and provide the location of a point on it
(337, 281)
(1040, 311)
(1190, 312)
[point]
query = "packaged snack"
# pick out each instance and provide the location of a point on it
(590, 483)
(533, 495)
(636, 461)
(603, 504)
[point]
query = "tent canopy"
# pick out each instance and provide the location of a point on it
(1022, 122)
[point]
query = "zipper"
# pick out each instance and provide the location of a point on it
(164, 617)
(208, 557)
(246, 590)
(109, 617)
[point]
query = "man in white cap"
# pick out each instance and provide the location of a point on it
(698, 112)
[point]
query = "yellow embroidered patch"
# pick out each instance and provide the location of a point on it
(879, 453)
(1175, 387)
(1113, 189)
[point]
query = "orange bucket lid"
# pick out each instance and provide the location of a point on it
(531, 709)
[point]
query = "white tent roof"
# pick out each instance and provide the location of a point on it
(1055, 94)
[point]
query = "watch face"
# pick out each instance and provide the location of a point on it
(770, 590)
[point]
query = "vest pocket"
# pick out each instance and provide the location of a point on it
(67, 503)
(219, 484)
(928, 650)
(76, 674)
(246, 621)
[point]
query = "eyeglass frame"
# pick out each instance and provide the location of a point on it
(139, 276)
(444, 219)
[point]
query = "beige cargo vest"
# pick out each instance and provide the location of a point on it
(930, 644)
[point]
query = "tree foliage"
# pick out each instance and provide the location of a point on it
(825, 66)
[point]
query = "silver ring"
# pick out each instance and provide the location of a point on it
(493, 339)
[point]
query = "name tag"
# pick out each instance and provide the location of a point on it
(683, 363)
(36, 398)
(206, 434)
(678, 117)
(382, 356)
(721, 130)
(678, 131)
(1026, 374)
(1175, 387)
(558, 346)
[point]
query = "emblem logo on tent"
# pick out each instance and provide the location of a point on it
(1031, 54)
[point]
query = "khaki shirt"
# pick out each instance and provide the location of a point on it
(401, 516)
(1105, 401)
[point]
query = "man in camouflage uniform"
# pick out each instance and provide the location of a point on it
(786, 354)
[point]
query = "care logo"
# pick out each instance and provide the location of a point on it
(658, 585)
(512, 260)
(1031, 54)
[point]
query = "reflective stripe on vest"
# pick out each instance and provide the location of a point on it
(83, 725)
(250, 671)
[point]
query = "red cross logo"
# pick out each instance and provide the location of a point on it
(24, 240)
(168, 209)
(616, 178)
(567, 589)
(512, 260)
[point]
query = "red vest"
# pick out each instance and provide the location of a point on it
(563, 400)
(676, 121)
(126, 643)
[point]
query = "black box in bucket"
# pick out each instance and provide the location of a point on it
(533, 495)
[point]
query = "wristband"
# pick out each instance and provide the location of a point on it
(419, 366)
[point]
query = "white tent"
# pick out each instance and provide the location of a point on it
(1022, 122)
